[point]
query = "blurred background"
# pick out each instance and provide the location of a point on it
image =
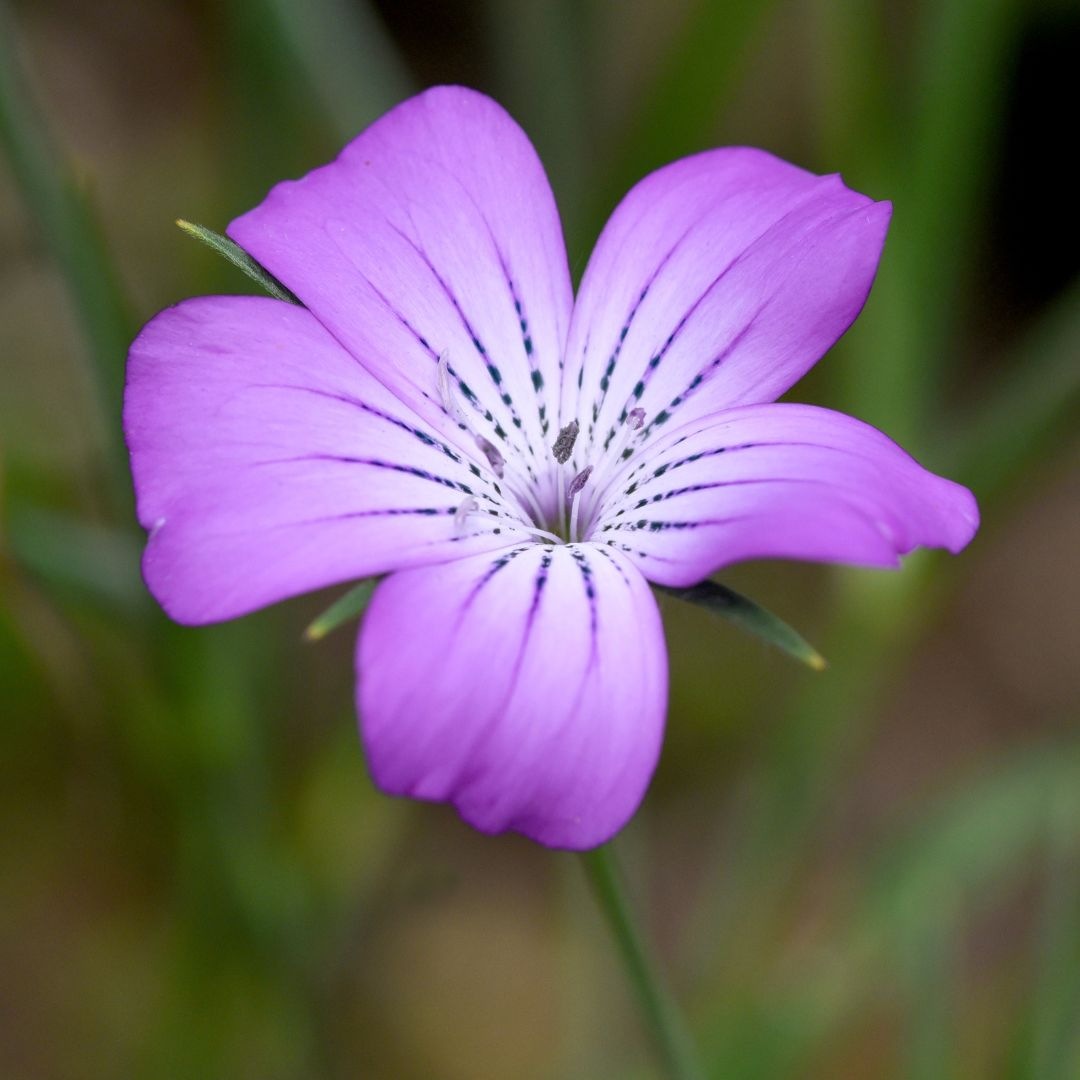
(872, 872)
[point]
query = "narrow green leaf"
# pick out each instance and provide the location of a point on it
(342, 610)
(748, 615)
(240, 259)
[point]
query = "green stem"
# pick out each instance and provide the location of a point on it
(664, 1019)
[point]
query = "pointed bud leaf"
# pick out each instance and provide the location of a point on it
(240, 259)
(342, 610)
(748, 615)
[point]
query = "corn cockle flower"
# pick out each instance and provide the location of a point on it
(520, 464)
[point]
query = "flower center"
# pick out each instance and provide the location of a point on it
(558, 503)
(581, 490)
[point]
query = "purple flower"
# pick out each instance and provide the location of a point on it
(520, 464)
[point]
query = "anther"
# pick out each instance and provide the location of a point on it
(636, 417)
(564, 444)
(574, 502)
(578, 483)
(494, 458)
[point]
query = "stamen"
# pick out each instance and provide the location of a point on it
(468, 506)
(578, 483)
(564, 444)
(542, 534)
(494, 458)
(572, 492)
(446, 392)
(610, 462)
(491, 452)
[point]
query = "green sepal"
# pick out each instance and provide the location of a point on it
(342, 610)
(748, 615)
(240, 259)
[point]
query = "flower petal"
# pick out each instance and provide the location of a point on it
(528, 690)
(268, 462)
(718, 281)
(778, 481)
(434, 232)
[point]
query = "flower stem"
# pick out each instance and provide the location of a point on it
(666, 1023)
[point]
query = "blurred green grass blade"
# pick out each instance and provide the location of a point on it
(271, 122)
(1030, 411)
(963, 52)
(542, 56)
(59, 205)
(928, 970)
(223, 246)
(856, 109)
(678, 112)
(963, 850)
(963, 66)
(346, 607)
(967, 842)
(1055, 1003)
(95, 563)
(957, 856)
(750, 616)
(348, 58)
(878, 619)
(859, 120)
